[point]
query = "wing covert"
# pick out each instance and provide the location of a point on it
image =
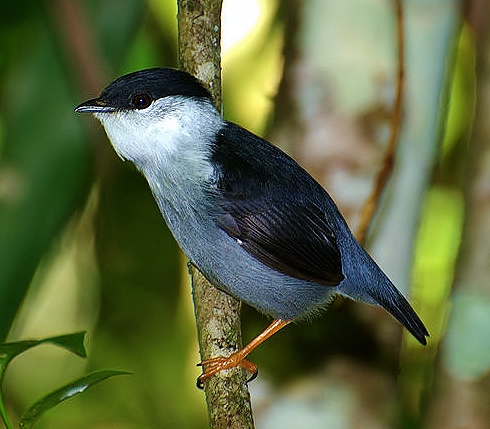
(294, 240)
(273, 208)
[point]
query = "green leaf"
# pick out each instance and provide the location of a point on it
(71, 342)
(68, 391)
(8, 351)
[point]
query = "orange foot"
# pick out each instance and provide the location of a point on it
(217, 364)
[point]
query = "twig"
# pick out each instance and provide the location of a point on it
(81, 48)
(372, 203)
(87, 64)
(217, 313)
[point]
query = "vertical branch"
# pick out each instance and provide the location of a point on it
(199, 42)
(372, 203)
(80, 45)
(217, 313)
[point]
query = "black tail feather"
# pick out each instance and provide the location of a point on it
(396, 304)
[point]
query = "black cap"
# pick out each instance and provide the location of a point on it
(155, 83)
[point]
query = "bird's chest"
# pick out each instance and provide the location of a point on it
(185, 206)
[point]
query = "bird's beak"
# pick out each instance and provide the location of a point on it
(96, 105)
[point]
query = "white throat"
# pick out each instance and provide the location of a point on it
(174, 126)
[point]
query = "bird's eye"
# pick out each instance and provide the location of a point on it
(141, 101)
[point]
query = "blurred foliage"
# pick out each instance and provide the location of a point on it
(43, 143)
(76, 387)
(72, 343)
(80, 231)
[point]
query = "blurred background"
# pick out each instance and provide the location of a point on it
(83, 246)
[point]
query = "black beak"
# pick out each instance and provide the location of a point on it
(96, 105)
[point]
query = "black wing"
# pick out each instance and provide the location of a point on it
(272, 207)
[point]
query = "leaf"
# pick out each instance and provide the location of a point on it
(71, 342)
(30, 417)
(8, 351)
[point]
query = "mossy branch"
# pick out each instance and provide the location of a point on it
(217, 313)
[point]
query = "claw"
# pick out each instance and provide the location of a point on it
(218, 364)
(199, 383)
(253, 376)
(215, 365)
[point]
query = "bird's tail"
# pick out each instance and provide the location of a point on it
(391, 299)
(365, 281)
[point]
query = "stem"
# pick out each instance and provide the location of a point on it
(218, 329)
(3, 411)
(370, 206)
(217, 313)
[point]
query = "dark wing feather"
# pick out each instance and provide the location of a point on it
(269, 205)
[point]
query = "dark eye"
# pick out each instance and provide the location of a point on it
(140, 101)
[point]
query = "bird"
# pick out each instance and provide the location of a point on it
(249, 217)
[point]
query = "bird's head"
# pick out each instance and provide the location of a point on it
(150, 113)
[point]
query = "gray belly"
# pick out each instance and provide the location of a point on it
(229, 267)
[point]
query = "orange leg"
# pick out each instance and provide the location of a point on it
(214, 365)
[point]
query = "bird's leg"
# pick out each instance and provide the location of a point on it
(214, 365)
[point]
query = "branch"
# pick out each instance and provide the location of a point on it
(370, 206)
(80, 47)
(217, 313)
(82, 56)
